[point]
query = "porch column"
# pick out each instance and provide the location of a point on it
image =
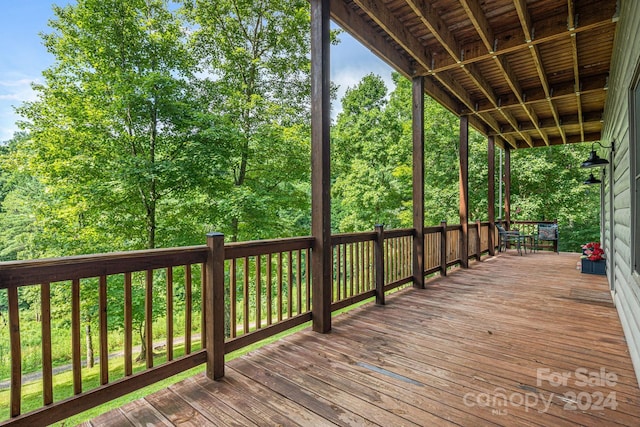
(464, 191)
(320, 167)
(491, 196)
(507, 187)
(418, 182)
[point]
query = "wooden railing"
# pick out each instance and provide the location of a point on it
(114, 281)
(271, 289)
(266, 287)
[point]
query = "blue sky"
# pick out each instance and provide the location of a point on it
(23, 57)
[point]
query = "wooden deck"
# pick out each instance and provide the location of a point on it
(508, 342)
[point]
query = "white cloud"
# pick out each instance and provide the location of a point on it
(13, 92)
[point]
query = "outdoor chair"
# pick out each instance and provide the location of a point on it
(508, 237)
(547, 233)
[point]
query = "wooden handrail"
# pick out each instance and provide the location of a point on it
(50, 270)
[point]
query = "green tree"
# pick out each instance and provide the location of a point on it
(115, 133)
(366, 157)
(256, 74)
(116, 137)
(547, 185)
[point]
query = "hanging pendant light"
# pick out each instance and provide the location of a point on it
(594, 161)
(592, 180)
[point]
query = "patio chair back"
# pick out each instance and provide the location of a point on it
(548, 232)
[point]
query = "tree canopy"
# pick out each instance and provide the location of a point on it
(157, 123)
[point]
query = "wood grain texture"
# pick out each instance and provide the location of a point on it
(423, 357)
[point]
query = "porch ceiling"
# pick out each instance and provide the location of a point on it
(529, 72)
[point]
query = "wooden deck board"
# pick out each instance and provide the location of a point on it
(431, 357)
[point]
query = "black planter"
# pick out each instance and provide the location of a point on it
(593, 267)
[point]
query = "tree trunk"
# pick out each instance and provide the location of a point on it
(143, 344)
(89, 340)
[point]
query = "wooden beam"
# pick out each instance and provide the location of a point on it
(549, 124)
(476, 14)
(464, 191)
(514, 124)
(436, 26)
(320, 165)
(354, 24)
(399, 32)
(571, 18)
(491, 192)
(480, 23)
(537, 59)
(525, 22)
(418, 181)
(572, 139)
(560, 91)
(576, 74)
(396, 29)
(511, 41)
(525, 19)
(507, 187)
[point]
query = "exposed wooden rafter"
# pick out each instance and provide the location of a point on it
(527, 28)
(436, 26)
(516, 68)
(378, 12)
(571, 25)
(512, 42)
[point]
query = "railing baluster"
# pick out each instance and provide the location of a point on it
(188, 308)
(75, 336)
(338, 272)
(279, 286)
(148, 317)
(203, 309)
(269, 290)
(365, 266)
(128, 326)
(356, 249)
(290, 284)
(104, 349)
(232, 298)
(258, 291)
(345, 281)
(307, 278)
(16, 352)
(299, 280)
(245, 296)
(47, 369)
(351, 287)
(169, 314)
(395, 259)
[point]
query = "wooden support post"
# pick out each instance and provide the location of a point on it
(418, 182)
(320, 166)
(443, 248)
(491, 169)
(379, 264)
(507, 188)
(478, 241)
(214, 310)
(555, 242)
(464, 191)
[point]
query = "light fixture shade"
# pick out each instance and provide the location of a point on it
(594, 161)
(592, 180)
